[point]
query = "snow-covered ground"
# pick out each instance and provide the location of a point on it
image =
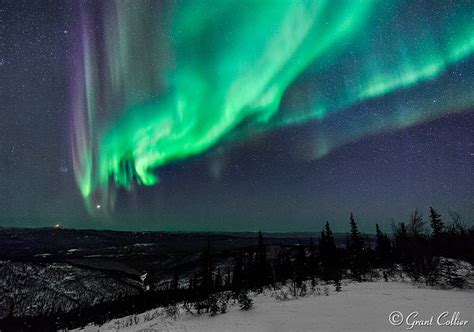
(358, 307)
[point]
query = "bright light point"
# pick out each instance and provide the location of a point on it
(57, 226)
(98, 206)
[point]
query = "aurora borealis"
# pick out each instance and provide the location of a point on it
(164, 82)
(182, 114)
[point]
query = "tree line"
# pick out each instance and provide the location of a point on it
(413, 249)
(421, 250)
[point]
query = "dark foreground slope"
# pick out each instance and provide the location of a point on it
(63, 277)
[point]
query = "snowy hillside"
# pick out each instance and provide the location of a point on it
(358, 307)
(28, 290)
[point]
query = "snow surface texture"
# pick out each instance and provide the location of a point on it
(358, 307)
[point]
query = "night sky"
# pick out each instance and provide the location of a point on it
(247, 115)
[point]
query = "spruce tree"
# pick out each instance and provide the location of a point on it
(261, 250)
(218, 283)
(330, 261)
(261, 275)
(383, 248)
(356, 251)
(437, 227)
(313, 260)
(436, 223)
(237, 275)
(416, 251)
(300, 265)
(206, 270)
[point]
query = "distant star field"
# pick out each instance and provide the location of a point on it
(236, 115)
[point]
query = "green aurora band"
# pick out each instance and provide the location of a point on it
(162, 81)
